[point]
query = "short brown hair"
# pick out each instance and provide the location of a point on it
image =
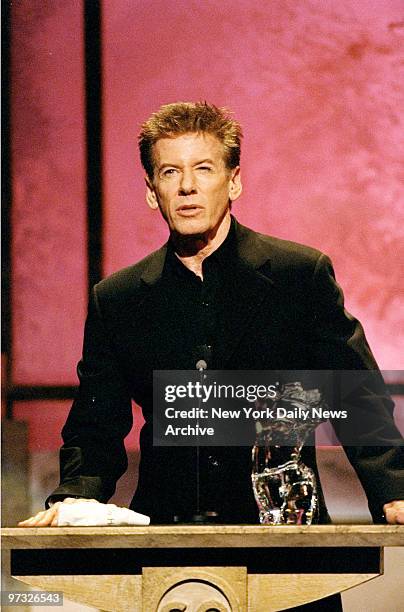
(173, 120)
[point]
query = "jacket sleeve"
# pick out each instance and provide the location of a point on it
(93, 455)
(373, 444)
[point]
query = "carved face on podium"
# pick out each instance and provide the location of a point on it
(194, 596)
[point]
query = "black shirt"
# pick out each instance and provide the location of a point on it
(200, 304)
(200, 307)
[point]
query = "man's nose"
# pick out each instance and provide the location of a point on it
(187, 183)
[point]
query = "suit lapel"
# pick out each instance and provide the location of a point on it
(144, 313)
(154, 269)
(247, 287)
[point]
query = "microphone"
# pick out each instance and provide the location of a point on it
(201, 365)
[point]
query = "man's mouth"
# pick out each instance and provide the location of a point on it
(188, 210)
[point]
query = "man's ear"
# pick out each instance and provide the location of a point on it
(151, 197)
(235, 186)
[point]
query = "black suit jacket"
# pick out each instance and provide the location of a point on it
(284, 311)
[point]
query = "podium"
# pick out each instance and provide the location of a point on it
(219, 568)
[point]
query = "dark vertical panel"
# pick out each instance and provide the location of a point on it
(92, 18)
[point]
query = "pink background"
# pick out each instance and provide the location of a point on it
(318, 89)
(48, 172)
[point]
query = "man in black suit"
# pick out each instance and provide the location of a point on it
(216, 291)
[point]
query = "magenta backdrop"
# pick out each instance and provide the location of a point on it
(317, 87)
(49, 283)
(46, 418)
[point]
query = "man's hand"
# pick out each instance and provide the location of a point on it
(49, 517)
(394, 512)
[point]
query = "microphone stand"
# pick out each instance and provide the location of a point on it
(201, 366)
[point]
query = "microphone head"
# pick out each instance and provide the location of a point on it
(201, 365)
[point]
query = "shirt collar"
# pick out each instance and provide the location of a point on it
(224, 255)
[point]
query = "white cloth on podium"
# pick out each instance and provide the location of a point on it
(95, 514)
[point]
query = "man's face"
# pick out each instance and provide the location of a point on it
(192, 185)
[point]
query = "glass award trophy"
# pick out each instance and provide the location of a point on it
(285, 489)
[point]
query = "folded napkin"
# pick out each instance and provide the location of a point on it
(94, 514)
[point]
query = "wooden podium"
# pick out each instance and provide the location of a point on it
(198, 568)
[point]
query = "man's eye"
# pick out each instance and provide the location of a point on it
(169, 172)
(205, 168)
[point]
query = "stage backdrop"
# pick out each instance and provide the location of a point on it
(317, 88)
